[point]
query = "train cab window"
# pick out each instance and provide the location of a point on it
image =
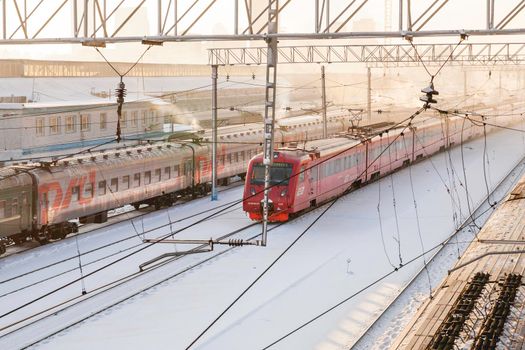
(147, 177)
(75, 193)
(158, 174)
(167, 173)
(2, 210)
(280, 173)
(114, 184)
(102, 188)
(14, 206)
(176, 171)
(88, 190)
(136, 180)
(125, 182)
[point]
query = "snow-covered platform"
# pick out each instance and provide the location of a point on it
(481, 303)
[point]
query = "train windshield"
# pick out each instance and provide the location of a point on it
(279, 173)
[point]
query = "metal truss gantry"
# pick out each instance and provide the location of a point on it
(109, 21)
(486, 54)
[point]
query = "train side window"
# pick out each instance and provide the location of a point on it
(125, 182)
(236, 157)
(147, 177)
(75, 191)
(243, 156)
(229, 158)
(221, 159)
(114, 184)
(136, 180)
(176, 171)
(14, 206)
(102, 188)
(167, 173)
(337, 165)
(158, 174)
(2, 209)
(88, 190)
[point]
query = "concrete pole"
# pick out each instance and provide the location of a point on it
(214, 74)
(369, 95)
(323, 88)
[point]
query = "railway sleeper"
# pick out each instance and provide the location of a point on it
(494, 324)
(449, 331)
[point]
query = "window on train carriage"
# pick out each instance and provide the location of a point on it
(39, 126)
(236, 157)
(176, 171)
(221, 159)
(338, 165)
(70, 123)
(113, 185)
(147, 177)
(135, 119)
(102, 188)
(14, 206)
(124, 119)
(2, 210)
(103, 121)
(167, 173)
(136, 180)
(54, 125)
(125, 182)
(158, 174)
(280, 173)
(75, 193)
(229, 158)
(88, 190)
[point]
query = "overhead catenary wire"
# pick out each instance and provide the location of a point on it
(147, 246)
(374, 282)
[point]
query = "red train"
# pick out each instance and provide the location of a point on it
(324, 169)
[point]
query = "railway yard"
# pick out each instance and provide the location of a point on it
(262, 175)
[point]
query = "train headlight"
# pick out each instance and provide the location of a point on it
(252, 191)
(283, 192)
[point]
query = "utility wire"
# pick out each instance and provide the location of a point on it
(147, 246)
(263, 273)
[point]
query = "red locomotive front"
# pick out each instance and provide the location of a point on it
(280, 197)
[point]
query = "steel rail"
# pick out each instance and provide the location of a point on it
(463, 226)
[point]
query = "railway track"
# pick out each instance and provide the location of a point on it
(120, 216)
(505, 184)
(80, 308)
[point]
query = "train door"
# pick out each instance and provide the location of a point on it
(313, 183)
(188, 172)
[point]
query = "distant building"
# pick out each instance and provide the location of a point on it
(31, 130)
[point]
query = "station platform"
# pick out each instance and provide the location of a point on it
(480, 304)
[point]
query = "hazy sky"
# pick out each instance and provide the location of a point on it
(298, 16)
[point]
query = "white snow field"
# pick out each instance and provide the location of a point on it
(342, 253)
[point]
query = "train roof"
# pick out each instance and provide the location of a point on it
(14, 177)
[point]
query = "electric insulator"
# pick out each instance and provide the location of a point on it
(429, 95)
(120, 92)
(235, 242)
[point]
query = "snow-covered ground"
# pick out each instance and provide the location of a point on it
(338, 256)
